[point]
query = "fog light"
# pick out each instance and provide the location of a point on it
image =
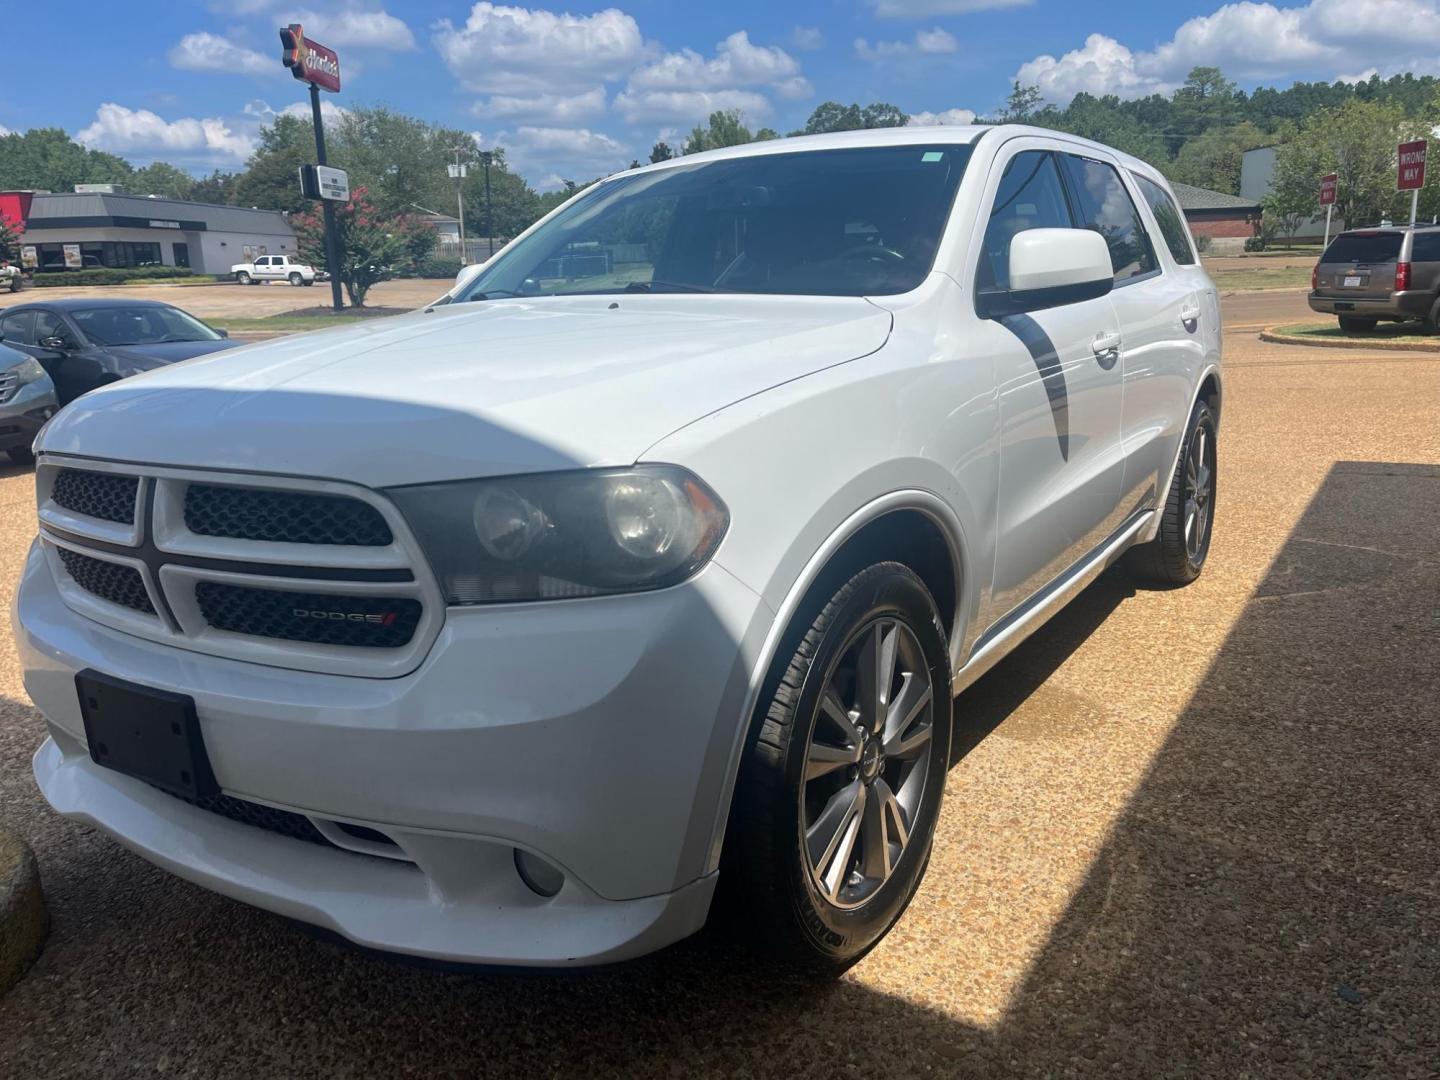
(542, 878)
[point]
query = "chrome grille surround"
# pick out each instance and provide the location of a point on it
(9, 385)
(172, 561)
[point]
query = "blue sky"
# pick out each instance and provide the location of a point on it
(577, 89)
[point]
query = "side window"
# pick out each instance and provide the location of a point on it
(262, 261)
(1168, 217)
(1030, 196)
(1425, 247)
(16, 327)
(1106, 207)
(48, 324)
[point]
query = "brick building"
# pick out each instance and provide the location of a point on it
(1229, 220)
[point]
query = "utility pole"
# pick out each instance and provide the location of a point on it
(486, 156)
(332, 246)
(457, 173)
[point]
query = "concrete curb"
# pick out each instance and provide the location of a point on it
(24, 919)
(1276, 336)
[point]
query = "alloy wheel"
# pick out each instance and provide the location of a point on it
(1199, 491)
(867, 762)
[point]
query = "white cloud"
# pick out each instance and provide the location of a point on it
(961, 117)
(551, 109)
(577, 153)
(808, 38)
(139, 133)
(211, 52)
(515, 50)
(688, 106)
(923, 9)
(925, 42)
(355, 29)
(1249, 40)
(737, 62)
(265, 113)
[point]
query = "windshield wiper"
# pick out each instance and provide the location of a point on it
(665, 286)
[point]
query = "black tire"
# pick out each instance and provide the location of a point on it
(1432, 320)
(1357, 324)
(767, 887)
(310, 282)
(295, 280)
(242, 278)
(21, 455)
(1170, 559)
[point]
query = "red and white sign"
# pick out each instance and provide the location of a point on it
(309, 61)
(1411, 156)
(1327, 189)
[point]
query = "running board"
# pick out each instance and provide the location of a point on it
(991, 650)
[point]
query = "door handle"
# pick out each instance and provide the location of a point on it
(1190, 315)
(1107, 344)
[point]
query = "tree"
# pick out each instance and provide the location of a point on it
(661, 152)
(832, 116)
(47, 159)
(725, 128)
(271, 180)
(1022, 104)
(372, 246)
(514, 204)
(1213, 159)
(9, 240)
(163, 179)
(401, 160)
(1206, 99)
(217, 188)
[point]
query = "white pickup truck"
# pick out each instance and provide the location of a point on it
(274, 268)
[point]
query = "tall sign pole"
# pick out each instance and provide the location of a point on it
(1327, 200)
(313, 63)
(457, 173)
(1410, 163)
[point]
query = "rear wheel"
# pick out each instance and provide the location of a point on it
(310, 282)
(295, 279)
(1432, 320)
(1177, 554)
(242, 277)
(1356, 323)
(840, 789)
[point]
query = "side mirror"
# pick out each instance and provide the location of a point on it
(467, 274)
(221, 331)
(54, 344)
(1050, 268)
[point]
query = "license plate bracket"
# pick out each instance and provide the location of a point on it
(1352, 281)
(152, 735)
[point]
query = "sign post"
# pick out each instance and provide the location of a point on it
(313, 63)
(1410, 157)
(1327, 200)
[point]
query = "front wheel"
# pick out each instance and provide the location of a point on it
(1356, 323)
(839, 792)
(1177, 554)
(242, 278)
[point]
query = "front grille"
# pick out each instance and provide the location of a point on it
(108, 496)
(366, 621)
(110, 581)
(284, 822)
(9, 383)
(283, 516)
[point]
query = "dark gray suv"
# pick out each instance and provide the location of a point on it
(1389, 273)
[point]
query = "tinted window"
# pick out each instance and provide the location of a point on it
(141, 325)
(1167, 216)
(17, 327)
(48, 324)
(1425, 247)
(1106, 207)
(1375, 247)
(262, 261)
(1030, 196)
(824, 222)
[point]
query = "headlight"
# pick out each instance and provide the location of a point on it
(28, 371)
(557, 535)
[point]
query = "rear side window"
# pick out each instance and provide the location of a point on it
(1167, 216)
(1106, 207)
(1425, 247)
(1375, 247)
(16, 327)
(1030, 196)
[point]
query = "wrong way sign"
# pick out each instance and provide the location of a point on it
(1410, 174)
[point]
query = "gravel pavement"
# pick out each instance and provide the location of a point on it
(1193, 832)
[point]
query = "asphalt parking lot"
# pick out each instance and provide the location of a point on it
(1192, 832)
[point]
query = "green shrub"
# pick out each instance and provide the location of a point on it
(437, 266)
(108, 276)
(1202, 243)
(1255, 243)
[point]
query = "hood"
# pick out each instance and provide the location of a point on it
(147, 357)
(468, 390)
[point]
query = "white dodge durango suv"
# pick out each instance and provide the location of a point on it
(643, 567)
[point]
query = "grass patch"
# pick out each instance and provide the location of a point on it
(1262, 277)
(317, 318)
(1330, 331)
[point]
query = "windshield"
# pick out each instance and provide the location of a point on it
(140, 325)
(860, 222)
(1376, 247)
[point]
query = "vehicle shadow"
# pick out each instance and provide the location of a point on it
(1265, 905)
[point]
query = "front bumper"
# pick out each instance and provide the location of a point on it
(1399, 305)
(597, 734)
(22, 417)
